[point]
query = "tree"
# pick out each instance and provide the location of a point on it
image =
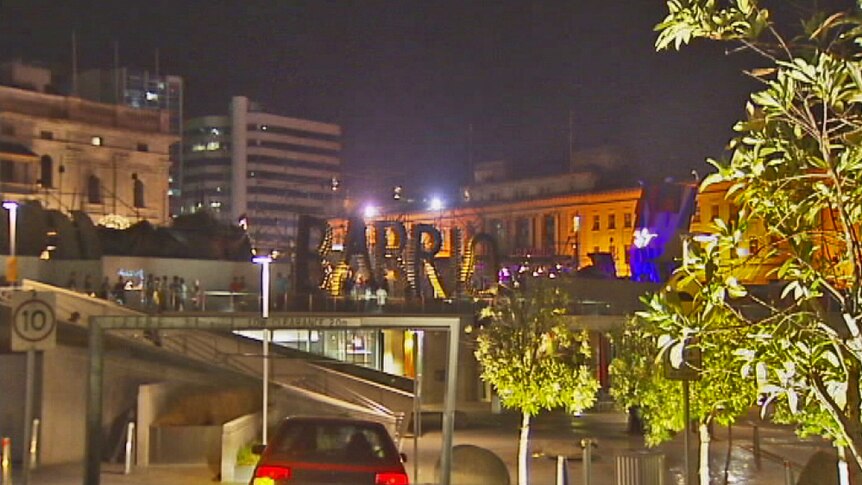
(533, 359)
(796, 171)
(646, 346)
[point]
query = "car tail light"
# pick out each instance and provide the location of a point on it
(397, 478)
(273, 472)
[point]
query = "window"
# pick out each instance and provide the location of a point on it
(7, 130)
(46, 135)
(596, 223)
(142, 147)
(138, 193)
(628, 256)
(753, 246)
(96, 141)
(576, 223)
(550, 232)
(46, 173)
(627, 220)
(94, 190)
(612, 221)
(696, 216)
(714, 211)
(7, 171)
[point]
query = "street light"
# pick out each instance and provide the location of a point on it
(264, 261)
(12, 263)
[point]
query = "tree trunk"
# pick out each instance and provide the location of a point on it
(729, 452)
(704, 454)
(523, 449)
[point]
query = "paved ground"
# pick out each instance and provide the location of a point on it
(553, 434)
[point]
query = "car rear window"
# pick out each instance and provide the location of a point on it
(334, 442)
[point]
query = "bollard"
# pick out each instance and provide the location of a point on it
(587, 445)
(755, 436)
(6, 462)
(130, 447)
(788, 473)
(562, 470)
(34, 444)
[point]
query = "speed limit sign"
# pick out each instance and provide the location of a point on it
(34, 326)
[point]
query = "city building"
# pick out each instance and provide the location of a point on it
(261, 170)
(145, 90)
(108, 161)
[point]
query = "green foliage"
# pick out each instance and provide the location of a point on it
(531, 356)
(245, 457)
(795, 169)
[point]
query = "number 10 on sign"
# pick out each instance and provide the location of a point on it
(34, 326)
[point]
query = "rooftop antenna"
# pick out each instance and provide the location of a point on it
(116, 72)
(571, 140)
(74, 64)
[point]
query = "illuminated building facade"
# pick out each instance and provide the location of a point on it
(145, 90)
(108, 161)
(262, 170)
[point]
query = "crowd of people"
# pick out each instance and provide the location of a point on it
(161, 294)
(158, 294)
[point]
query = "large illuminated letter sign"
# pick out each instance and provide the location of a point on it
(381, 244)
(312, 250)
(422, 254)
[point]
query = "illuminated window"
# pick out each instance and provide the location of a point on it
(198, 147)
(627, 220)
(597, 224)
(753, 245)
(213, 145)
(612, 221)
(576, 223)
(96, 141)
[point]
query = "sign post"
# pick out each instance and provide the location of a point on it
(34, 327)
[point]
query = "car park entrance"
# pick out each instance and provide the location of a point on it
(98, 325)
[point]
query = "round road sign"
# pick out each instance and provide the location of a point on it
(34, 321)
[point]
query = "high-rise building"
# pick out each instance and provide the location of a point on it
(142, 89)
(260, 169)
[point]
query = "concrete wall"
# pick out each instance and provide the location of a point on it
(153, 400)
(12, 401)
(236, 434)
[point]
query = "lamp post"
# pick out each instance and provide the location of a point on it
(264, 261)
(12, 264)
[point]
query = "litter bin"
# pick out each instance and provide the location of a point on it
(639, 468)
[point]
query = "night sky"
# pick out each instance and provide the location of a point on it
(406, 79)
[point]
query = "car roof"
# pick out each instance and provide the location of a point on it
(330, 420)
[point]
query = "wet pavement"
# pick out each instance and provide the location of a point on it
(553, 434)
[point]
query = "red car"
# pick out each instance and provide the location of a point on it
(330, 451)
